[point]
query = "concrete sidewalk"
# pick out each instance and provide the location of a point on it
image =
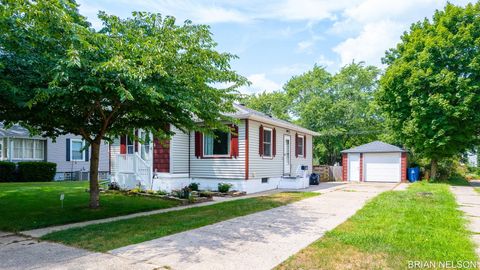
(469, 202)
(37, 233)
(19, 252)
(257, 241)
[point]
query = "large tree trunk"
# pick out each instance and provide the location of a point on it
(433, 169)
(94, 189)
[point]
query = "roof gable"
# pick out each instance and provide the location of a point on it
(374, 147)
(243, 112)
(14, 131)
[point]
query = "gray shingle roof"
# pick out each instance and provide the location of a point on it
(374, 147)
(15, 131)
(247, 113)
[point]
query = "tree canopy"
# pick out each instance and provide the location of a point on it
(338, 106)
(59, 75)
(430, 92)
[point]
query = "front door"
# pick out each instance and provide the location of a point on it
(286, 155)
(145, 145)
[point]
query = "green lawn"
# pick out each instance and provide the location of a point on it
(26, 206)
(107, 236)
(421, 223)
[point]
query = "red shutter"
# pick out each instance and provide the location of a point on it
(305, 146)
(274, 141)
(198, 144)
(234, 141)
(123, 144)
(296, 145)
(260, 141)
(136, 140)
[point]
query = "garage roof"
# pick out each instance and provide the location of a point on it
(374, 147)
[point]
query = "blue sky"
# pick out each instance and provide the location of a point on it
(278, 39)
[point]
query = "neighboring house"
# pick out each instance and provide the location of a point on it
(67, 152)
(260, 153)
(374, 162)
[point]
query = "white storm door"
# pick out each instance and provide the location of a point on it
(354, 167)
(286, 155)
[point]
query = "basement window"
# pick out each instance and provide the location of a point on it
(264, 180)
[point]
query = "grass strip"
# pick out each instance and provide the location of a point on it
(112, 235)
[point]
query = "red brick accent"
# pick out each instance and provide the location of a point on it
(161, 156)
(361, 168)
(345, 166)
(404, 167)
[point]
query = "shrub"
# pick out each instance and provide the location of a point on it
(113, 186)
(194, 186)
(224, 187)
(36, 171)
(135, 190)
(184, 193)
(7, 171)
(162, 192)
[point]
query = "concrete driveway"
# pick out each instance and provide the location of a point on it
(258, 241)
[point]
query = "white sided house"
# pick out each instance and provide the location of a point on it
(260, 153)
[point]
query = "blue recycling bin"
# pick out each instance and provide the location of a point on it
(413, 174)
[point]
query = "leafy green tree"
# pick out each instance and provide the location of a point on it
(430, 92)
(59, 75)
(276, 104)
(338, 106)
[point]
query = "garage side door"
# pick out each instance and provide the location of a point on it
(382, 167)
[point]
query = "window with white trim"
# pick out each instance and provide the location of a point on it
(77, 152)
(217, 144)
(28, 149)
(130, 145)
(301, 151)
(267, 142)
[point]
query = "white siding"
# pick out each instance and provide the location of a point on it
(57, 153)
(273, 167)
(259, 166)
(178, 151)
(219, 168)
(296, 162)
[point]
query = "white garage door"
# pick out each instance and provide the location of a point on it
(382, 167)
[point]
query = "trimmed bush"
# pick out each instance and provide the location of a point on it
(224, 187)
(193, 186)
(36, 171)
(7, 171)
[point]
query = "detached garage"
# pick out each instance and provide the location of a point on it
(374, 162)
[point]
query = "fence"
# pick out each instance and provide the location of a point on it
(328, 173)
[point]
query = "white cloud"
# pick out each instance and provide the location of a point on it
(291, 70)
(373, 26)
(370, 45)
(305, 46)
(327, 63)
(260, 83)
(205, 11)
